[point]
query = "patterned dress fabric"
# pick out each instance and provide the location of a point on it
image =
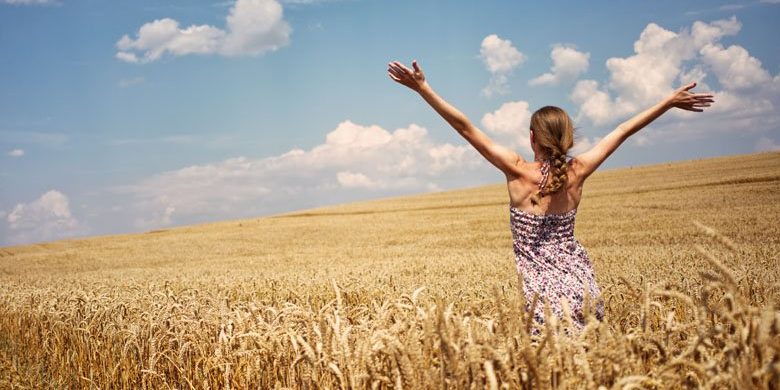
(553, 264)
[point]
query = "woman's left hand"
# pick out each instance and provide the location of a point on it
(414, 79)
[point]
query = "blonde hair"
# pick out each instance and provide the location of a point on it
(554, 135)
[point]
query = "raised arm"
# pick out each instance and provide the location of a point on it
(502, 158)
(682, 98)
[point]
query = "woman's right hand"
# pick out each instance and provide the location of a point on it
(684, 99)
(414, 79)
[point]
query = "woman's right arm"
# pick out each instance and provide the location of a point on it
(587, 162)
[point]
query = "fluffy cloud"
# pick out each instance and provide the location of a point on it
(354, 162)
(359, 180)
(509, 124)
(500, 58)
(734, 67)
(595, 104)
(252, 27)
(568, 64)
(16, 153)
(663, 60)
(45, 218)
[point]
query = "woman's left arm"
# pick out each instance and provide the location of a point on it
(502, 158)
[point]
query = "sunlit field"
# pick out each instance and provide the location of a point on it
(413, 292)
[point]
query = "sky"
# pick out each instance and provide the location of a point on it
(130, 116)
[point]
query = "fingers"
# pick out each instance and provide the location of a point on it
(398, 67)
(402, 66)
(693, 107)
(396, 71)
(703, 101)
(402, 69)
(689, 86)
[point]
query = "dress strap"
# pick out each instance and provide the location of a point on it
(545, 170)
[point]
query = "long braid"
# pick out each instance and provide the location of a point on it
(558, 173)
(554, 134)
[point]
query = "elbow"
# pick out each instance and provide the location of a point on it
(623, 131)
(461, 125)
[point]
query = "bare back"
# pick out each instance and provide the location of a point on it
(524, 186)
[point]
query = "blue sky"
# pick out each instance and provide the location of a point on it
(127, 116)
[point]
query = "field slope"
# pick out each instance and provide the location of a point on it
(332, 297)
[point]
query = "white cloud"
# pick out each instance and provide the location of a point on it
(354, 162)
(43, 219)
(582, 144)
(253, 27)
(568, 64)
(500, 58)
(734, 67)
(595, 104)
(16, 153)
(766, 144)
(510, 123)
(352, 179)
(696, 73)
(499, 55)
(445, 157)
(127, 57)
(664, 60)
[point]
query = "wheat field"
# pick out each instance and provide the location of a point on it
(413, 292)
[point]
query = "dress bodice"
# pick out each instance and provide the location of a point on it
(535, 229)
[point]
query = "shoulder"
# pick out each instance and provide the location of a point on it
(574, 164)
(521, 169)
(576, 169)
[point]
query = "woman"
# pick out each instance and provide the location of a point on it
(544, 193)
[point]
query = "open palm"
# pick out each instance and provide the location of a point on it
(413, 79)
(684, 99)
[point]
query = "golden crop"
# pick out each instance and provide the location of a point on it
(413, 292)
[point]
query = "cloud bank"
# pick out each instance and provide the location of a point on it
(355, 162)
